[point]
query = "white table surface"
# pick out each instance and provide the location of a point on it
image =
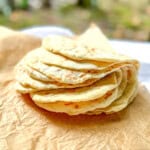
(138, 50)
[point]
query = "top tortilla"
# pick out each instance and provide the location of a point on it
(82, 49)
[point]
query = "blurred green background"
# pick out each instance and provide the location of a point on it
(122, 19)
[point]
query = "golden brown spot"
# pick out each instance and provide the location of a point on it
(129, 73)
(72, 90)
(108, 94)
(70, 103)
(92, 71)
(93, 49)
(76, 106)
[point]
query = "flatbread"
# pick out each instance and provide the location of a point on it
(76, 108)
(37, 85)
(24, 89)
(51, 59)
(70, 76)
(86, 93)
(85, 48)
(57, 60)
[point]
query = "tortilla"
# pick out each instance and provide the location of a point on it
(38, 85)
(57, 60)
(70, 76)
(86, 93)
(76, 108)
(24, 89)
(85, 48)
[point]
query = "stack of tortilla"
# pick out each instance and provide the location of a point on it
(81, 75)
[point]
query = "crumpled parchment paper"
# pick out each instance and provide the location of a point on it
(25, 126)
(13, 46)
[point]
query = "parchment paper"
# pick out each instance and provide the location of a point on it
(24, 126)
(13, 46)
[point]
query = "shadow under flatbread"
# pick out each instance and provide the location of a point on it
(82, 120)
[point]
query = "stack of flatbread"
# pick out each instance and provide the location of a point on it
(81, 75)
